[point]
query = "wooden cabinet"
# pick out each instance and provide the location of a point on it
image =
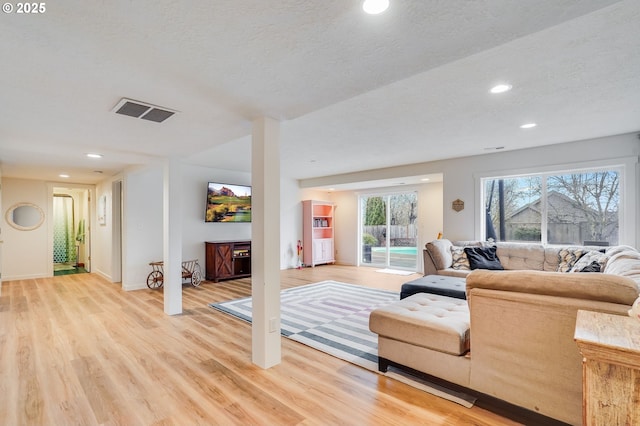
(610, 345)
(317, 232)
(227, 260)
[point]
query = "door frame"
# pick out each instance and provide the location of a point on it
(91, 190)
(387, 194)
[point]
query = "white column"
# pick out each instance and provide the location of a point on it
(172, 241)
(265, 242)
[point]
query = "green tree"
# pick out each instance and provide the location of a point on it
(376, 212)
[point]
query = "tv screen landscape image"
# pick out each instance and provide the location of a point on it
(228, 203)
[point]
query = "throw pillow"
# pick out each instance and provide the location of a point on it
(483, 258)
(592, 267)
(460, 260)
(588, 259)
(567, 257)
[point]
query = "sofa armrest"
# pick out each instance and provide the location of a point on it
(429, 264)
(522, 349)
(589, 286)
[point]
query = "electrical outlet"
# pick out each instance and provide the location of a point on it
(273, 325)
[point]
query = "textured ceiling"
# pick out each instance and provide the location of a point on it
(403, 87)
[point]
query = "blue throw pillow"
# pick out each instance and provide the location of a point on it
(483, 258)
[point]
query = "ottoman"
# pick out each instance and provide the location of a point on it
(426, 332)
(436, 284)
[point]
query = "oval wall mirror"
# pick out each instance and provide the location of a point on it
(24, 216)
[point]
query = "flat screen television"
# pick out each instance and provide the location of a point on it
(228, 203)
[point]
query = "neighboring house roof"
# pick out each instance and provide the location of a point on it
(554, 198)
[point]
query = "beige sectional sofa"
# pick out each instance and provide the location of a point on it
(512, 338)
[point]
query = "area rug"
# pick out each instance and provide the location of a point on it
(330, 316)
(333, 317)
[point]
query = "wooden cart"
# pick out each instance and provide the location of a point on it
(191, 272)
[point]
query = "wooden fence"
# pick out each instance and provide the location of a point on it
(399, 235)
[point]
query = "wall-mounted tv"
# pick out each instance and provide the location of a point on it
(228, 203)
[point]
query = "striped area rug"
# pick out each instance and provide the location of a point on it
(333, 317)
(330, 316)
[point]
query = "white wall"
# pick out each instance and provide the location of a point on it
(345, 225)
(24, 253)
(101, 241)
(142, 221)
(461, 178)
(195, 231)
(290, 222)
(142, 232)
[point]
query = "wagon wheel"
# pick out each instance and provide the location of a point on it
(155, 279)
(196, 276)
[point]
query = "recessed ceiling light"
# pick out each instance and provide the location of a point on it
(374, 7)
(94, 155)
(425, 179)
(528, 126)
(63, 175)
(501, 88)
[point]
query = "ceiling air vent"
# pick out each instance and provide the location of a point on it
(142, 110)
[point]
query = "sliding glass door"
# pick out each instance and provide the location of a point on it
(388, 230)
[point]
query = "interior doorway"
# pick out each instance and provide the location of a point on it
(70, 239)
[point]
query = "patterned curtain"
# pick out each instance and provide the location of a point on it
(64, 250)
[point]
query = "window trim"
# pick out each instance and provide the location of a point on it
(626, 166)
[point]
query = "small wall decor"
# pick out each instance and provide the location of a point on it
(102, 210)
(458, 205)
(24, 216)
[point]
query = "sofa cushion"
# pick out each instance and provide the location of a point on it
(483, 258)
(440, 253)
(551, 258)
(568, 256)
(450, 272)
(435, 284)
(598, 287)
(526, 256)
(426, 320)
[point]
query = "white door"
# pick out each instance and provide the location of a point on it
(317, 251)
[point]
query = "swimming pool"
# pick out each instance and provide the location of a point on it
(397, 250)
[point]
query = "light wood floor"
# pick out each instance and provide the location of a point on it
(77, 350)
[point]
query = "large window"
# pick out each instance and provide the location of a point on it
(559, 208)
